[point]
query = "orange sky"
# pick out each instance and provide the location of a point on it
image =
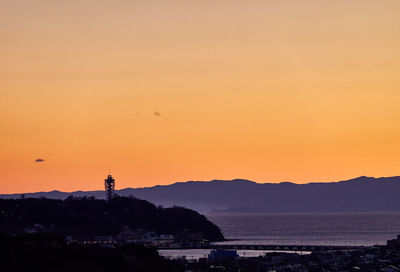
(265, 90)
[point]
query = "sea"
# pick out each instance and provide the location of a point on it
(355, 229)
(350, 229)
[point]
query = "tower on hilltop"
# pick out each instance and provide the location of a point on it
(109, 185)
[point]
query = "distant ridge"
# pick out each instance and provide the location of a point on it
(362, 194)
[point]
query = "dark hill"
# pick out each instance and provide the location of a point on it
(88, 217)
(50, 253)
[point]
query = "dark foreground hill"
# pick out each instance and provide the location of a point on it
(50, 253)
(88, 217)
(355, 195)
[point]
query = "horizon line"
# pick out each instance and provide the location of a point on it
(204, 181)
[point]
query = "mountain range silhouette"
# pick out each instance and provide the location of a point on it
(362, 194)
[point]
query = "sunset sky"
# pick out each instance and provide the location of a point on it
(166, 91)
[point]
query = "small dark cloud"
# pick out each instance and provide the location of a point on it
(156, 113)
(39, 160)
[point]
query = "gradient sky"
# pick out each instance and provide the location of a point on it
(265, 90)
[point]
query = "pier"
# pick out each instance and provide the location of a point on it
(298, 248)
(288, 247)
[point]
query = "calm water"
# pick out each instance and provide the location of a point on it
(309, 229)
(193, 254)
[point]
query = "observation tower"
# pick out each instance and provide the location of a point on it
(109, 185)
